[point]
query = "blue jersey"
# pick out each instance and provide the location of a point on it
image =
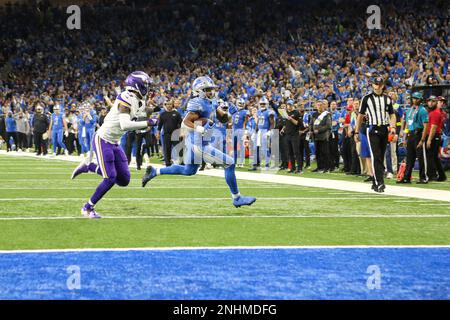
(306, 119)
(263, 119)
(203, 107)
(251, 125)
(80, 123)
(10, 124)
(335, 117)
(239, 119)
(222, 127)
(90, 125)
(57, 121)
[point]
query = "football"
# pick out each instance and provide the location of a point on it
(204, 121)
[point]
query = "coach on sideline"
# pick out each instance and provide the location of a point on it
(379, 110)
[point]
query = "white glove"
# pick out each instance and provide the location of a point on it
(200, 129)
(66, 133)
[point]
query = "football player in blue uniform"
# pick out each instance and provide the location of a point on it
(82, 134)
(196, 122)
(90, 123)
(238, 121)
(265, 125)
(56, 129)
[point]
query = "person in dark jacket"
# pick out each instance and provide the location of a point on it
(322, 132)
(40, 127)
(169, 121)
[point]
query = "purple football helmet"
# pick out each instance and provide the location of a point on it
(138, 81)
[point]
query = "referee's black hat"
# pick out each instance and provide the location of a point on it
(377, 79)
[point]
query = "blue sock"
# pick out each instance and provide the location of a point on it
(230, 178)
(173, 169)
(185, 170)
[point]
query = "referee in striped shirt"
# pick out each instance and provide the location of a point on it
(380, 113)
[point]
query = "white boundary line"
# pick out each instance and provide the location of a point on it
(226, 248)
(293, 216)
(408, 192)
(375, 197)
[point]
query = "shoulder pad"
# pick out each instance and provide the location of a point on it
(194, 105)
(125, 98)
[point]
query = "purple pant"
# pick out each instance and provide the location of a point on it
(113, 165)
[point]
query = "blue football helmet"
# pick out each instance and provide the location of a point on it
(203, 87)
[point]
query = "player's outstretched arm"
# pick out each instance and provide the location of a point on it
(126, 123)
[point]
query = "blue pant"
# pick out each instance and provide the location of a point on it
(196, 152)
(83, 143)
(238, 146)
(89, 136)
(57, 139)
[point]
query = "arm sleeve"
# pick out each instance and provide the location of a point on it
(161, 121)
(128, 125)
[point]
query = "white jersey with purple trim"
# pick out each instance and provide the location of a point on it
(110, 130)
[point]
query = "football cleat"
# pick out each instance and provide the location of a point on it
(89, 212)
(81, 168)
(243, 201)
(150, 173)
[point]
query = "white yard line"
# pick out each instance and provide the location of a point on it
(312, 247)
(409, 192)
(198, 199)
(199, 217)
(180, 187)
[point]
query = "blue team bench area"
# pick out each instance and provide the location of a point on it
(241, 273)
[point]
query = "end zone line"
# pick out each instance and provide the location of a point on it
(275, 247)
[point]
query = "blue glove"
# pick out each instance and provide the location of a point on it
(232, 109)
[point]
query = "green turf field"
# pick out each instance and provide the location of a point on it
(197, 211)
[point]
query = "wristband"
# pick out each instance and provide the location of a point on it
(151, 122)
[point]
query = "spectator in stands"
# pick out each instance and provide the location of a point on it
(11, 132)
(23, 128)
(322, 132)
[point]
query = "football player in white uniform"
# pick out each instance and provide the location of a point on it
(112, 161)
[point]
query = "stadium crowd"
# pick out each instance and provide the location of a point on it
(299, 55)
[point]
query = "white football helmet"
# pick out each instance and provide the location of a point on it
(203, 87)
(263, 103)
(240, 103)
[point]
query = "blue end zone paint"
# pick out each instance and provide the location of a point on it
(335, 273)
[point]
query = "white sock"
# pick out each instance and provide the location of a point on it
(235, 196)
(158, 171)
(90, 203)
